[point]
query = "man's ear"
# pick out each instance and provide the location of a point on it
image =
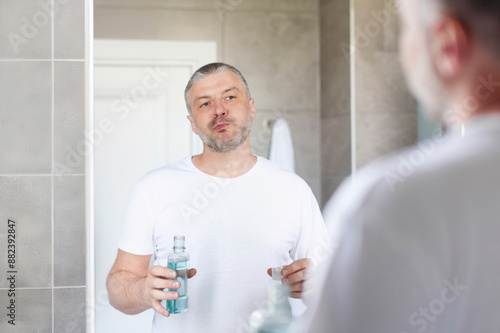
(192, 125)
(252, 107)
(450, 46)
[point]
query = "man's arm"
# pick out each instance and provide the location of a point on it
(133, 288)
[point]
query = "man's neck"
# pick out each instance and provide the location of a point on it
(227, 164)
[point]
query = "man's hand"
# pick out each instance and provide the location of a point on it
(294, 275)
(158, 279)
(133, 287)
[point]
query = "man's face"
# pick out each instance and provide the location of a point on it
(416, 58)
(221, 113)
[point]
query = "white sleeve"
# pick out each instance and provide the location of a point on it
(313, 239)
(137, 233)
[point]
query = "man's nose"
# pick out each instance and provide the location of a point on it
(220, 109)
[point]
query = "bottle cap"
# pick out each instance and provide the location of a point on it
(179, 242)
(276, 272)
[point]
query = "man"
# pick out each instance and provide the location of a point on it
(417, 235)
(240, 214)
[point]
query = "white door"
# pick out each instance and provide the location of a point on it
(139, 124)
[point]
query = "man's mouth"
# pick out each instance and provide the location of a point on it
(221, 127)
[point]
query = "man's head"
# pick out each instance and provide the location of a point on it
(446, 45)
(220, 107)
(213, 68)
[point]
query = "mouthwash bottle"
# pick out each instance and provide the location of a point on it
(179, 261)
(278, 316)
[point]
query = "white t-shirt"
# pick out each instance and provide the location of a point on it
(235, 230)
(418, 240)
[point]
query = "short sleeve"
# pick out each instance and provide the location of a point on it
(137, 232)
(313, 240)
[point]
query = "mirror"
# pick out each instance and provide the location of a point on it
(144, 54)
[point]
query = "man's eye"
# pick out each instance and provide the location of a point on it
(230, 97)
(204, 105)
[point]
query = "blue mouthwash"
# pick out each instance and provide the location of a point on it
(179, 261)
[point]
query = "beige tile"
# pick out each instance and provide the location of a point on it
(380, 134)
(324, 3)
(191, 4)
(335, 30)
(380, 85)
(376, 25)
(276, 5)
(305, 130)
(330, 183)
(278, 54)
(336, 145)
(219, 5)
(158, 24)
(335, 87)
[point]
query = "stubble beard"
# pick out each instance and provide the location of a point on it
(221, 144)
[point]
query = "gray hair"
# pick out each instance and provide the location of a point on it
(213, 68)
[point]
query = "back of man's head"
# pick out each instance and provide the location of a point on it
(481, 18)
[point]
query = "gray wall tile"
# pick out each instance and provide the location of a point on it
(278, 55)
(27, 201)
(33, 311)
(69, 310)
(69, 30)
(69, 231)
(25, 117)
(69, 117)
(25, 30)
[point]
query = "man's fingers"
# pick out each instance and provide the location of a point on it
(164, 272)
(192, 272)
(295, 266)
(297, 287)
(158, 295)
(159, 308)
(270, 271)
(295, 277)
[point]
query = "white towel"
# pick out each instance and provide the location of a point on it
(281, 150)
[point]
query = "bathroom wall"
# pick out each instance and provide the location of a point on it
(366, 109)
(275, 44)
(42, 174)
